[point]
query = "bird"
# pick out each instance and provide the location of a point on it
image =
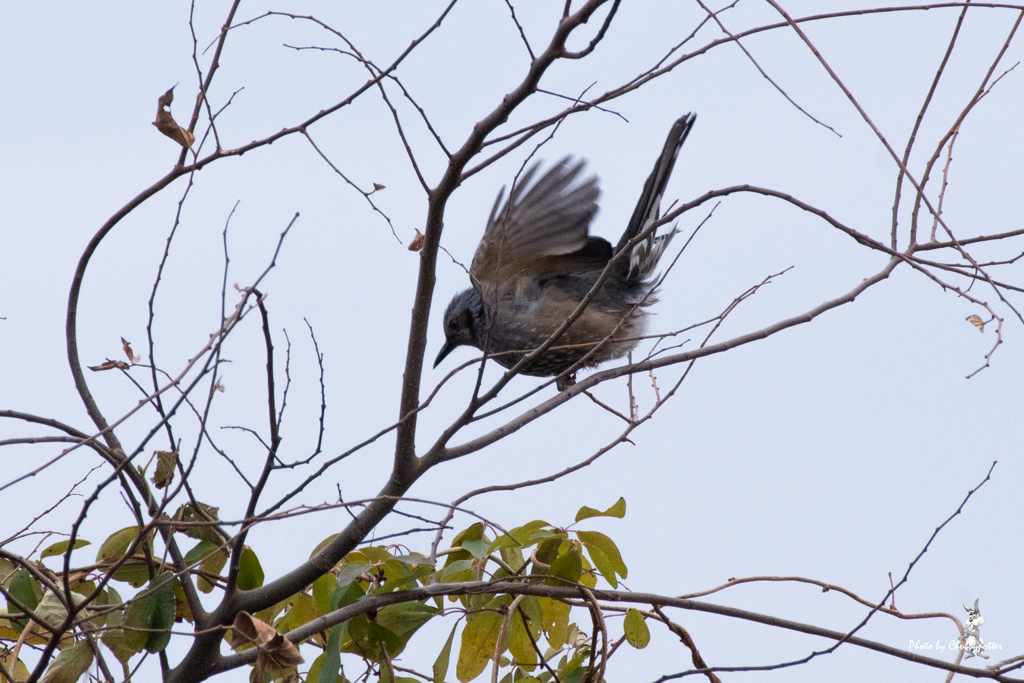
(537, 261)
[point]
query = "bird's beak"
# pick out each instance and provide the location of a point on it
(445, 350)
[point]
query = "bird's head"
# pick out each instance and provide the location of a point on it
(463, 322)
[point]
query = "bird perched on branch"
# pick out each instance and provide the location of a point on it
(537, 262)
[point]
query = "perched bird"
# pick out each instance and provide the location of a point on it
(536, 263)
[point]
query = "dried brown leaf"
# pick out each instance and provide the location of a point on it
(110, 365)
(132, 358)
(280, 653)
(247, 630)
(377, 187)
(417, 242)
(276, 651)
(166, 124)
(977, 322)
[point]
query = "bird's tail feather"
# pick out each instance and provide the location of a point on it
(646, 254)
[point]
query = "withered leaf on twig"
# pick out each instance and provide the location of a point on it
(977, 322)
(166, 124)
(417, 242)
(377, 187)
(165, 462)
(132, 358)
(110, 365)
(276, 651)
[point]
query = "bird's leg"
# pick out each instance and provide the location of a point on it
(565, 381)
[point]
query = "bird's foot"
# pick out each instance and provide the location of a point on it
(565, 381)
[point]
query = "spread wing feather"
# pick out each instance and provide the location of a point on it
(542, 229)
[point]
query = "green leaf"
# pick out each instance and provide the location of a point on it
(575, 672)
(513, 557)
(67, 667)
(331, 666)
(478, 641)
(211, 559)
(52, 611)
(366, 638)
(108, 596)
(568, 566)
(7, 569)
(147, 622)
(17, 669)
(345, 596)
(405, 618)
(414, 560)
(269, 614)
(135, 576)
(350, 573)
(525, 532)
(316, 670)
(589, 576)
(594, 539)
(547, 552)
(375, 554)
(250, 572)
(203, 531)
(450, 574)
(473, 532)
(27, 591)
(637, 633)
(519, 642)
(117, 544)
(618, 510)
(61, 547)
(477, 548)
(113, 637)
(441, 663)
(330, 660)
(555, 621)
(323, 589)
(302, 611)
(162, 598)
(323, 544)
(181, 607)
(407, 578)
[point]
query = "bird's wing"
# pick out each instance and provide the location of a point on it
(541, 230)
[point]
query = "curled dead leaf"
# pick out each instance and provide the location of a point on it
(110, 365)
(166, 124)
(132, 358)
(165, 462)
(276, 651)
(977, 322)
(377, 187)
(417, 242)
